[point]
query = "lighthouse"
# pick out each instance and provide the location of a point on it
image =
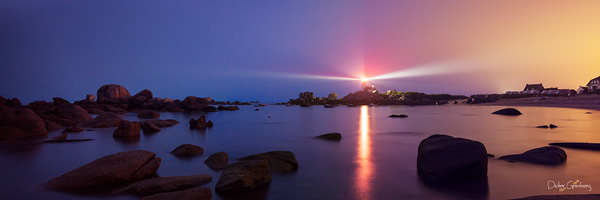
(364, 83)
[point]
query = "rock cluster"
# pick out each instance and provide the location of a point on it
(200, 123)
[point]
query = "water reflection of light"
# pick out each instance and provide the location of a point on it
(363, 159)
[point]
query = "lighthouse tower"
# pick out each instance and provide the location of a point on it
(364, 83)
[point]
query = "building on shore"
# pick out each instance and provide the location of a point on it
(594, 84)
(530, 87)
(592, 87)
(582, 90)
(539, 89)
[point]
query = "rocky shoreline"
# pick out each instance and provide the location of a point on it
(40, 117)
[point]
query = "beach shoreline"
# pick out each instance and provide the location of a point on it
(590, 102)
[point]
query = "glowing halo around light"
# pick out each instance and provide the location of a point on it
(431, 69)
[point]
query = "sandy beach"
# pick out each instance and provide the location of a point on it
(591, 102)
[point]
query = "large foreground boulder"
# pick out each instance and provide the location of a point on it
(243, 176)
(544, 156)
(197, 193)
(187, 150)
(112, 93)
(21, 123)
(127, 129)
(508, 111)
(279, 161)
(446, 159)
(217, 161)
(109, 170)
(166, 184)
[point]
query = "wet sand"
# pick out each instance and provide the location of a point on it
(591, 102)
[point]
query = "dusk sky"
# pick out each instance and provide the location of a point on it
(269, 50)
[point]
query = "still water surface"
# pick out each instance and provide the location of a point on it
(376, 158)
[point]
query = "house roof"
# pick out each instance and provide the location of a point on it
(534, 87)
(590, 83)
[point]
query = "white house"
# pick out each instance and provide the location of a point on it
(594, 84)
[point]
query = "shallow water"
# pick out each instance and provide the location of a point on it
(376, 158)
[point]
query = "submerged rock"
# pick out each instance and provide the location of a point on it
(508, 111)
(544, 156)
(330, 136)
(199, 123)
(148, 114)
(150, 128)
(578, 145)
(243, 176)
(59, 137)
(66, 140)
(108, 170)
(547, 126)
(74, 129)
(446, 159)
(230, 108)
(217, 160)
(127, 129)
(106, 119)
(197, 193)
(279, 161)
(163, 123)
(52, 126)
(187, 150)
(166, 184)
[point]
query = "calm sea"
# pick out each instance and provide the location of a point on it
(376, 158)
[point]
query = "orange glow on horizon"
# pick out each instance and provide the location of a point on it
(364, 171)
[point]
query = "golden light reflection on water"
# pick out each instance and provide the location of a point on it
(365, 169)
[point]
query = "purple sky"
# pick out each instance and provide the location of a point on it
(251, 50)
